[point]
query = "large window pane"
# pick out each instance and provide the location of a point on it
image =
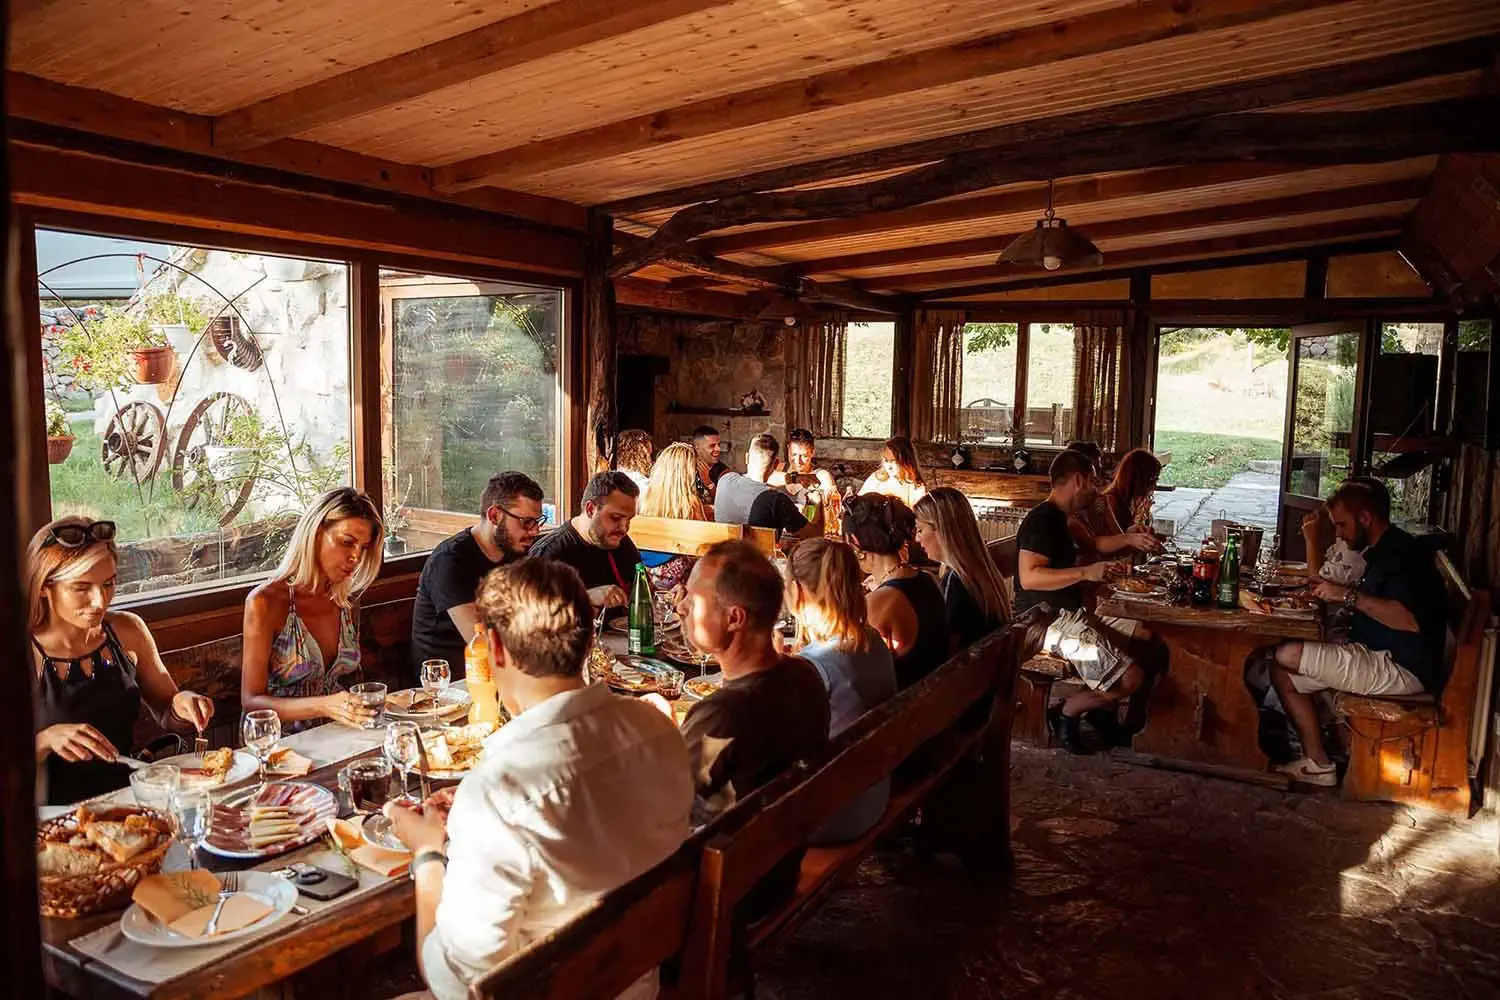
(474, 383)
(868, 352)
(1049, 384)
(197, 397)
(988, 393)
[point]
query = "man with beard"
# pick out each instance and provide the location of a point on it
(597, 542)
(708, 446)
(443, 621)
(1395, 642)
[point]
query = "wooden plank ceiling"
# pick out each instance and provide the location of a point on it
(613, 102)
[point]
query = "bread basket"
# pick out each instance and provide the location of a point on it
(70, 896)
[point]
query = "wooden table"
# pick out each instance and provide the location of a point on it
(1200, 711)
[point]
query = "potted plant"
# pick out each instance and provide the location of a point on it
(116, 350)
(59, 437)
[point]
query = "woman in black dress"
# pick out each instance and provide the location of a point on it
(905, 604)
(91, 667)
(974, 595)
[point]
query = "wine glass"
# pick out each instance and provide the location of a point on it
(261, 731)
(402, 750)
(193, 816)
(435, 678)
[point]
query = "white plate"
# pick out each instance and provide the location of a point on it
(323, 806)
(454, 702)
(622, 624)
(244, 766)
(142, 928)
(1135, 595)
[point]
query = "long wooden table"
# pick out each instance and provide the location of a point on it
(1200, 711)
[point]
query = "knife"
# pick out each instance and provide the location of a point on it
(422, 763)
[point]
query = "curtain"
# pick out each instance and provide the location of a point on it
(937, 374)
(1101, 388)
(815, 376)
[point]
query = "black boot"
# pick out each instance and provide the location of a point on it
(1106, 722)
(1065, 729)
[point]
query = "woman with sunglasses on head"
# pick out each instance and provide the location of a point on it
(92, 667)
(301, 629)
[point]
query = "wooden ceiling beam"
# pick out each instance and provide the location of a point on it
(936, 284)
(1324, 138)
(640, 294)
(542, 31)
(1382, 193)
(1270, 92)
(1120, 27)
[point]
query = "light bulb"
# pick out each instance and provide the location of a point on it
(1051, 262)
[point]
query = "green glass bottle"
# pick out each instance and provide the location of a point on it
(642, 615)
(1227, 588)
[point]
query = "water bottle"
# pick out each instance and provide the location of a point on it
(642, 640)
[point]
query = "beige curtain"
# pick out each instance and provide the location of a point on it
(937, 374)
(1101, 401)
(815, 376)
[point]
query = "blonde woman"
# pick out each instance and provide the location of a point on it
(973, 592)
(672, 492)
(633, 456)
(91, 667)
(301, 631)
(899, 474)
(824, 589)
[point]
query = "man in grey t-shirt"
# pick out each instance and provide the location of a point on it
(746, 499)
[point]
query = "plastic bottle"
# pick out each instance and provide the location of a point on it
(484, 697)
(642, 615)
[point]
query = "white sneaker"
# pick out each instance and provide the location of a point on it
(1307, 771)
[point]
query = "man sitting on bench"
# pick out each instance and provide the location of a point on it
(1048, 575)
(1395, 645)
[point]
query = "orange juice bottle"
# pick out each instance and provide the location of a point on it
(484, 697)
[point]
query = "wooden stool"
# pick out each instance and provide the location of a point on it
(1033, 692)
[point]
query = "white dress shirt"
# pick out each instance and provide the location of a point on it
(575, 796)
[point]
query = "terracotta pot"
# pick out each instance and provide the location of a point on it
(58, 449)
(153, 365)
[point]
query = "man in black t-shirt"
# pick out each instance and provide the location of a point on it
(746, 499)
(1048, 573)
(597, 541)
(707, 445)
(1396, 636)
(443, 620)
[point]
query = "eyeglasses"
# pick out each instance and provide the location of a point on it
(76, 536)
(525, 522)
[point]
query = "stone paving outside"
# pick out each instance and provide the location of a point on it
(1249, 498)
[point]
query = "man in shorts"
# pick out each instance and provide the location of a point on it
(1048, 574)
(1395, 642)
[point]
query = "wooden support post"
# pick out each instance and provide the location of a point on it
(364, 381)
(1315, 279)
(1140, 349)
(599, 341)
(904, 354)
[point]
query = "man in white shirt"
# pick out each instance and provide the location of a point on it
(581, 792)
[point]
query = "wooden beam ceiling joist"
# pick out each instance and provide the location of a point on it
(545, 30)
(633, 292)
(1314, 138)
(1270, 92)
(992, 278)
(1101, 31)
(1382, 193)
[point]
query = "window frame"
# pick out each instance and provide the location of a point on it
(210, 607)
(893, 379)
(1017, 430)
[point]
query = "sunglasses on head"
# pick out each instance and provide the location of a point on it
(76, 536)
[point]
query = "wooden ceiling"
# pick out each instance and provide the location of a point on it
(645, 106)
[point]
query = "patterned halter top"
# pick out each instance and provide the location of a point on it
(297, 669)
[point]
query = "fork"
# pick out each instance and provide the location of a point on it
(230, 887)
(200, 744)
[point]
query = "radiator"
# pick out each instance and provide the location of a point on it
(997, 518)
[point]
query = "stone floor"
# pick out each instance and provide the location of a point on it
(1249, 498)
(1136, 883)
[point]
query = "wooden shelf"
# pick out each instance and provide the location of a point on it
(716, 411)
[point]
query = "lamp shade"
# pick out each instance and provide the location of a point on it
(1051, 245)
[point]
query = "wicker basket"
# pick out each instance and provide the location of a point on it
(69, 896)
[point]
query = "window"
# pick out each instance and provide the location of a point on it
(1406, 383)
(869, 351)
(474, 386)
(197, 397)
(992, 394)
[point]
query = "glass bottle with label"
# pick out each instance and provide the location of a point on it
(642, 615)
(1227, 587)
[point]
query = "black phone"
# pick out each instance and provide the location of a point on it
(320, 883)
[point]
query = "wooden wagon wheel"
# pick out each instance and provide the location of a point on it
(208, 425)
(134, 442)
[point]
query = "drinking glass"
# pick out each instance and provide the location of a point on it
(366, 783)
(402, 750)
(261, 731)
(153, 786)
(193, 816)
(669, 682)
(371, 695)
(435, 678)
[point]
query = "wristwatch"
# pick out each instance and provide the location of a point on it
(422, 858)
(1351, 598)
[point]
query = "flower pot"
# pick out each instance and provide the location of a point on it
(395, 545)
(284, 268)
(153, 365)
(59, 448)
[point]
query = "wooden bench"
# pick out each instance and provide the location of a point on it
(1416, 750)
(681, 916)
(693, 538)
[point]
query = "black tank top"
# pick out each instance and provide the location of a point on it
(107, 698)
(931, 647)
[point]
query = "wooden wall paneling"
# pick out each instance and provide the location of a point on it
(599, 338)
(366, 378)
(1374, 275)
(1256, 281)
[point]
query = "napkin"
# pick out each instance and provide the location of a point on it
(288, 764)
(380, 860)
(185, 901)
(240, 910)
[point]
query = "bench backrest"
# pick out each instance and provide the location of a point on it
(693, 538)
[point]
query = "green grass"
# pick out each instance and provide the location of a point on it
(1209, 460)
(81, 486)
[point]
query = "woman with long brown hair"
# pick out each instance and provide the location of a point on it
(899, 475)
(823, 590)
(633, 456)
(973, 592)
(672, 492)
(1119, 519)
(91, 667)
